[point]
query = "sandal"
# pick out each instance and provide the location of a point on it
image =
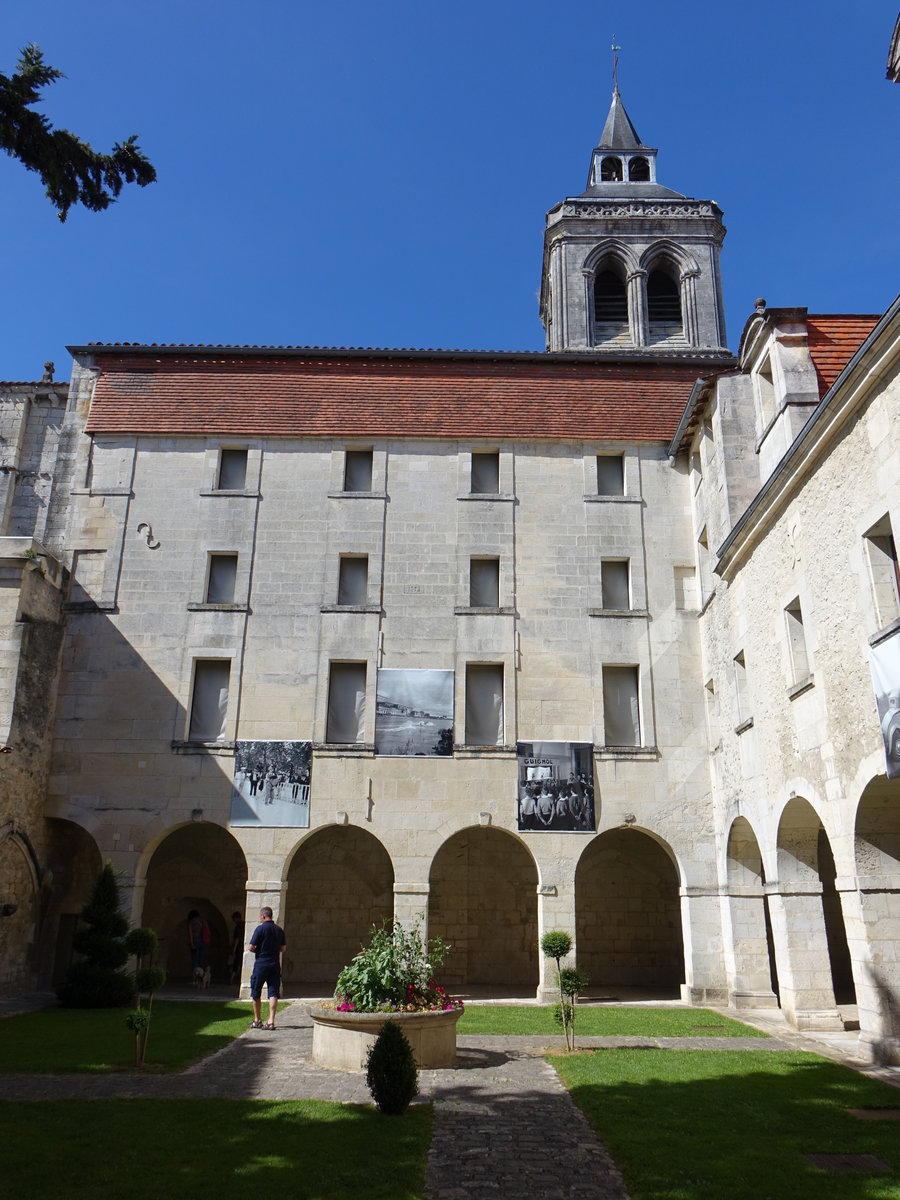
(256, 1025)
(268, 1025)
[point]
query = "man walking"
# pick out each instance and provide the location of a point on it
(267, 943)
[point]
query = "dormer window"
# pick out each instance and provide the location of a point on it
(639, 170)
(611, 169)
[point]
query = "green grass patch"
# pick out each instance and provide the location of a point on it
(597, 1020)
(97, 1039)
(212, 1150)
(733, 1125)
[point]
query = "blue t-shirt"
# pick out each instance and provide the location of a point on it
(268, 938)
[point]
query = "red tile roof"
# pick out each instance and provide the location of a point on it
(398, 395)
(833, 340)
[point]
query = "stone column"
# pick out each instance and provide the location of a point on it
(704, 967)
(747, 948)
(801, 953)
(637, 307)
(689, 307)
(871, 909)
(261, 893)
(556, 910)
(411, 903)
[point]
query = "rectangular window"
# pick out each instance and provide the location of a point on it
(881, 552)
(209, 702)
(793, 616)
(614, 585)
(346, 703)
(485, 474)
(358, 471)
(221, 578)
(484, 582)
(621, 706)
(741, 689)
(232, 470)
(484, 705)
(353, 579)
(610, 475)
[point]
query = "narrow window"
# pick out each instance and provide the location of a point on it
(484, 583)
(611, 170)
(610, 475)
(485, 474)
(663, 299)
(712, 715)
(484, 705)
(793, 616)
(765, 385)
(705, 574)
(639, 170)
(209, 702)
(353, 579)
(232, 470)
(621, 709)
(346, 703)
(610, 300)
(741, 690)
(881, 552)
(614, 588)
(358, 471)
(221, 578)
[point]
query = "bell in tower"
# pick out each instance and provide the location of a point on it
(631, 268)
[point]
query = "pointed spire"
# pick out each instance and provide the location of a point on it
(618, 132)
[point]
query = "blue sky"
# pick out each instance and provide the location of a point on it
(351, 174)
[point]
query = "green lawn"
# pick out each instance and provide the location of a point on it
(601, 1020)
(212, 1150)
(74, 1039)
(726, 1125)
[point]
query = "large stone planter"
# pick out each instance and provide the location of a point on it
(342, 1039)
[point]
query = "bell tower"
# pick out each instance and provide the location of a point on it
(631, 268)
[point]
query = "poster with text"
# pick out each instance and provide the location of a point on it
(414, 713)
(884, 660)
(271, 784)
(556, 787)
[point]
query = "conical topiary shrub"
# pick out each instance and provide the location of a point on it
(98, 981)
(391, 1072)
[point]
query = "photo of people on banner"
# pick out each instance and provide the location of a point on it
(271, 784)
(885, 663)
(556, 787)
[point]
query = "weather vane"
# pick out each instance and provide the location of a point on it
(615, 49)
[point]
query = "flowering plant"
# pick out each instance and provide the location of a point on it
(395, 973)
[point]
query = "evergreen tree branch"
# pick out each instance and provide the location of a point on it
(71, 170)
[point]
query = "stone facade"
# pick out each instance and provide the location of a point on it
(228, 545)
(808, 825)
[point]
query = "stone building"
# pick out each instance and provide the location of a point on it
(374, 633)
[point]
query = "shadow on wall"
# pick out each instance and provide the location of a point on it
(109, 699)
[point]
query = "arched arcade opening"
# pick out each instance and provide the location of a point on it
(340, 883)
(196, 866)
(483, 901)
(814, 969)
(877, 940)
(628, 915)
